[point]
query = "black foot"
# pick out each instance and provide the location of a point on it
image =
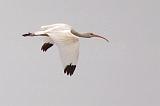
(28, 34)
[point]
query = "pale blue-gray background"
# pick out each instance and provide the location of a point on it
(125, 72)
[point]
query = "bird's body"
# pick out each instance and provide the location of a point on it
(67, 41)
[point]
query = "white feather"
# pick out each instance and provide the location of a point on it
(67, 43)
(69, 52)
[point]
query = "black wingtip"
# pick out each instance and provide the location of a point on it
(69, 69)
(46, 46)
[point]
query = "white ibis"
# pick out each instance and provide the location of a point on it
(66, 39)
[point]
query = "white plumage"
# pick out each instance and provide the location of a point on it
(67, 41)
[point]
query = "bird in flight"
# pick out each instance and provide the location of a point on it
(67, 41)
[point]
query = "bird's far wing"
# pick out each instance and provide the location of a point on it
(56, 26)
(69, 52)
(48, 42)
(47, 27)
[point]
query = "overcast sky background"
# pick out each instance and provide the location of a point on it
(124, 72)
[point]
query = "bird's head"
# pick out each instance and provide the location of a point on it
(90, 35)
(87, 35)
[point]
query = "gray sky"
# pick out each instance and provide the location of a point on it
(124, 72)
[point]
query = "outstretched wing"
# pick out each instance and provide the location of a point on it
(69, 52)
(60, 26)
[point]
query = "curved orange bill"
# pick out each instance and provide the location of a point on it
(101, 37)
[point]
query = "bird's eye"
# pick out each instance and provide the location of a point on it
(91, 33)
